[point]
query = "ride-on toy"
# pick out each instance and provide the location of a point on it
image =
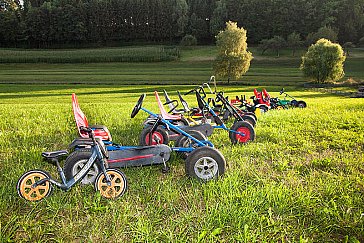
(277, 103)
(240, 132)
(122, 156)
(35, 185)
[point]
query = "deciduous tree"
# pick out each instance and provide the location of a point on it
(233, 59)
(323, 62)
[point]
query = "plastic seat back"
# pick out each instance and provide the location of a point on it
(163, 112)
(81, 121)
(80, 117)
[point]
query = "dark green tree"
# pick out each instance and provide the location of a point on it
(294, 42)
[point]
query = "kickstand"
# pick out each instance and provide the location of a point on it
(165, 168)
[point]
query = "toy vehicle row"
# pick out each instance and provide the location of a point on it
(241, 131)
(93, 155)
(264, 101)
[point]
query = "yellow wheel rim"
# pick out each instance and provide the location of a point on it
(116, 188)
(37, 193)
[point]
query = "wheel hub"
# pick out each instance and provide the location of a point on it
(206, 168)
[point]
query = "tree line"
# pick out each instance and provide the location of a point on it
(41, 23)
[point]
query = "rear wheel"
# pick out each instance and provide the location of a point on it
(118, 184)
(76, 161)
(159, 136)
(186, 142)
(25, 182)
(245, 133)
(205, 163)
(301, 104)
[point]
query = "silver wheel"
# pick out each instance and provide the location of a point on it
(206, 168)
(91, 175)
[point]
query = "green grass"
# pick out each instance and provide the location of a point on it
(301, 180)
(194, 67)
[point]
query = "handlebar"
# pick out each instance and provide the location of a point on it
(198, 89)
(89, 131)
(86, 129)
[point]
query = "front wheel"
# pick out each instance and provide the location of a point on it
(118, 184)
(241, 132)
(25, 182)
(159, 136)
(205, 163)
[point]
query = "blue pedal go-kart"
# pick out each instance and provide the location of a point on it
(203, 161)
(35, 185)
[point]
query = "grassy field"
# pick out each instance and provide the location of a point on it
(193, 67)
(302, 180)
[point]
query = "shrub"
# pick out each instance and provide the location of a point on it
(188, 40)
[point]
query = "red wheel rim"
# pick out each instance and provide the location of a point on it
(156, 136)
(240, 138)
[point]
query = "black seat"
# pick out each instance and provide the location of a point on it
(54, 154)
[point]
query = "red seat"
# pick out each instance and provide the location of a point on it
(164, 113)
(81, 120)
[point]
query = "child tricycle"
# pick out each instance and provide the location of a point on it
(35, 185)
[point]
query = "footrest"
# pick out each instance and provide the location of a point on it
(54, 154)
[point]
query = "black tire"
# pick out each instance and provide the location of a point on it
(118, 187)
(205, 163)
(250, 119)
(243, 127)
(25, 191)
(263, 109)
(74, 163)
(301, 104)
(185, 142)
(159, 133)
(182, 122)
(251, 114)
(294, 103)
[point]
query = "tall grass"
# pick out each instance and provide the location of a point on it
(301, 180)
(125, 54)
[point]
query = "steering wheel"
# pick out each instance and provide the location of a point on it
(138, 106)
(218, 96)
(282, 91)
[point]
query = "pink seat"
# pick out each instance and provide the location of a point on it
(164, 113)
(81, 121)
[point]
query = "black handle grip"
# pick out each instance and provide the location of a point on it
(85, 129)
